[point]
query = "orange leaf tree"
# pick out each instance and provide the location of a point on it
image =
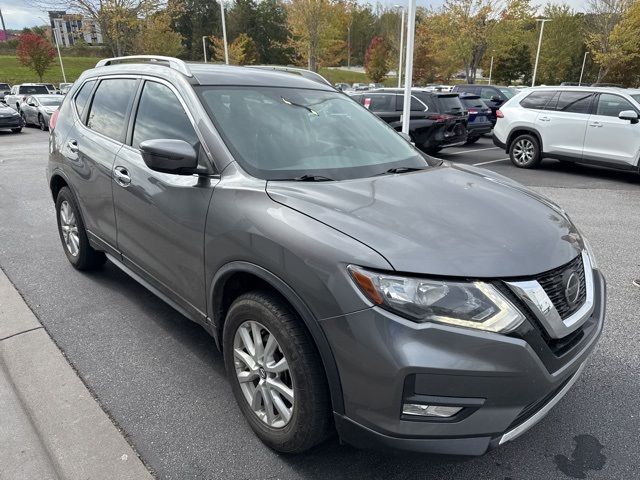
(35, 52)
(376, 59)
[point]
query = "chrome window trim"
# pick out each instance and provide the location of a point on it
(532, 293)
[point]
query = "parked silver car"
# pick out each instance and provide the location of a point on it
(37, 109)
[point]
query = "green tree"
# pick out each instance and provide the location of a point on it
(242, 51)
(435, 57)
(157, 38)
(602, 18)
(624, 42)
(376, 62)
(194, 19)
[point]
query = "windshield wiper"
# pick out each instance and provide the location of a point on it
(313, 178)
(289, 102)
(401, 170)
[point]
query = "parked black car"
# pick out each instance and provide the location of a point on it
(479, 117)
(493, 95)
(10, 119)
(438, 119)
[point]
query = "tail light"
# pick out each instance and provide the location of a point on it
(472, 111)
(499, 114)
(439, 117)
(54, 119)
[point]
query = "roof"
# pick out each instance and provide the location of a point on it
(630, 91)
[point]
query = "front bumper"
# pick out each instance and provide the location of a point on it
(506, 383)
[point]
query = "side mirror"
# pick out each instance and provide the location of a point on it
(630, 115)
(169, 156)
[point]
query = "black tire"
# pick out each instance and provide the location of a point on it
(85, 258)
(471, 140)
(431, 150)
(24, 119)
(16, 130)
(310, 422)
(41, 123)
(524, 151)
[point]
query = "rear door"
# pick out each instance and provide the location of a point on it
(92, 146)
(161, 216)
(563, 123)
(609, 138)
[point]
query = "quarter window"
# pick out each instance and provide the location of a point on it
(161, 116)
(611, 105)
(574, 102)
(537, 100)
(109, 107)
(83, 96)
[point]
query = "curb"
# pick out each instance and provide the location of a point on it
(50, 425)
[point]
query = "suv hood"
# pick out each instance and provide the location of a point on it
(448, 220)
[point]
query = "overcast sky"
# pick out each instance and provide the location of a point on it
(18, 15)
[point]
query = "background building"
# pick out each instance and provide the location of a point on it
(71, 28)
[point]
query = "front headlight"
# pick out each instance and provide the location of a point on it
(476, 305)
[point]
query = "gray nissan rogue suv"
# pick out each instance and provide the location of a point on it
(351, 282)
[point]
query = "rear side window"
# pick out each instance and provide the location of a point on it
(537, 100)
(416, 105)
(574, 102)
(161, 116)
(611, 105)
(83, 96)
(109, 107)
(380, 102)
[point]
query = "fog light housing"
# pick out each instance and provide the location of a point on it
(439, 411)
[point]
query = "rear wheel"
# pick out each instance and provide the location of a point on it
(16, 130)
(73, 235)
(276, 373)
(524, 151)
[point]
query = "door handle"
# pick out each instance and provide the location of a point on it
(595, 124)
(545, 119)
(121, 176)
(72, 145)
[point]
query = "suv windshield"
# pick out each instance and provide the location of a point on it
(285, 133)
(508, 91)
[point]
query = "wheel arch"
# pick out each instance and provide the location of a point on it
(236, 278)
(57, 182)
(524, 131)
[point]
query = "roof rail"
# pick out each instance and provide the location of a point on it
(170, 62)
(316, 77)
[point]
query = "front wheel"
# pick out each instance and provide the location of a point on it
(73, 235)
(16, 130)
(524, 151)
(275, 373)
(42, 124)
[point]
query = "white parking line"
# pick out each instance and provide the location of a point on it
(490, 161)
(469, 151)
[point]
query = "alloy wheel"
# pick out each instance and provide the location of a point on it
(263, 373)
(523, 151)
(69, 227)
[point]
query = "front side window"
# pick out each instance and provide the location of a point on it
(287, 133)
(161, 116)
(109, 107)
(611, 105)
(537, 100)
(508, 92)
(488, 93)
(574, 102)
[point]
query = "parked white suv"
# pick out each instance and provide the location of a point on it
(592, 125)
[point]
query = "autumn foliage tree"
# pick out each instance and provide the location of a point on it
(242, 51)
(35, 52)
(376, 60)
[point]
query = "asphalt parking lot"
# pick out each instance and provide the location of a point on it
(162, 382)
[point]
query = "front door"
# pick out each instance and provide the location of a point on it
(161, 217)
(610, 139)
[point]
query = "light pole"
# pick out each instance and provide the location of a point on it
(535, 68)
(55, 39)
(401, 45)
(224, 33)
(349, 46)
(408, 76)
(204, 47)
(490, 69)
(584, 61)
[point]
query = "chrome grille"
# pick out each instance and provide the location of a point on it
(553, 284)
